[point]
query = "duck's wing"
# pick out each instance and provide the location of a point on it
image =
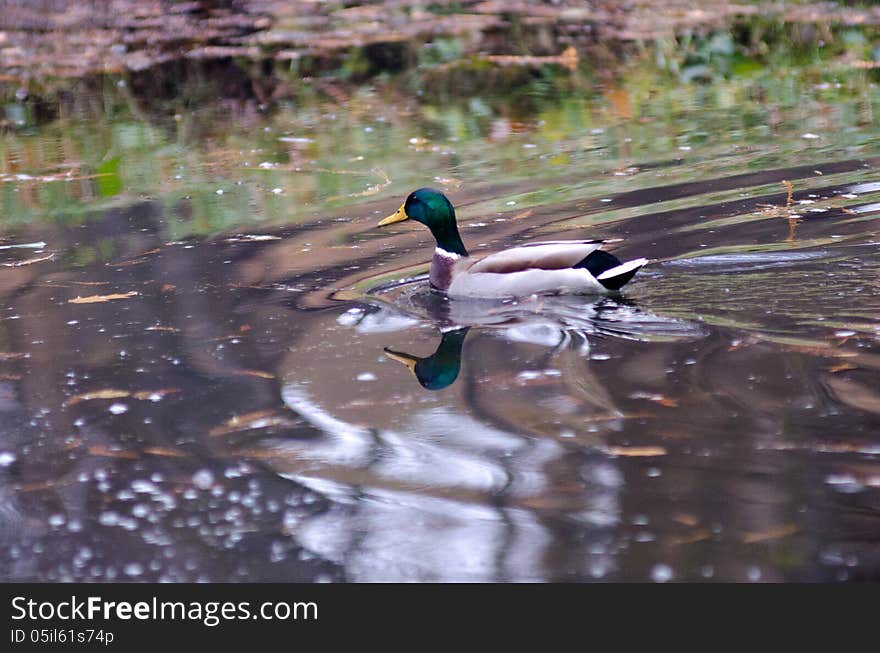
(554, 255)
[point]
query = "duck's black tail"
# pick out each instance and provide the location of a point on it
(608, 269)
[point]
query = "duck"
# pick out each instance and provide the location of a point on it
(562, 267)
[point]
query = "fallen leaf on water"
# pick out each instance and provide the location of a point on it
(67, 283)
(94, 299)
(109, 393)
(164, 451)
(101, 450)
(240, 422)
(770, 534)
(636, 452)
(98, 394)
(258, 373)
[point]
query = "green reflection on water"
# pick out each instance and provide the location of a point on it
(668, 111)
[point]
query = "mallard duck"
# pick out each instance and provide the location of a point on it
(557, 267)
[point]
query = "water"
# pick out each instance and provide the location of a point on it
(204, 368)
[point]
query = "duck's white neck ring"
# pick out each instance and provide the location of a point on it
(439, 251)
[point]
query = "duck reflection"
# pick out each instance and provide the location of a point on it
(440, 369)
(459, 483)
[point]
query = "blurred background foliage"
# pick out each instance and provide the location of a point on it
(270, 134)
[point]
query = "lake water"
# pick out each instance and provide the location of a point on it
(196, 308)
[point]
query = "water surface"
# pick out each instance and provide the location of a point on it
(197, 317)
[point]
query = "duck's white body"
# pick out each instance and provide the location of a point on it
(534, 269)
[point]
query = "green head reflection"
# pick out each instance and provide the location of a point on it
(440, 369)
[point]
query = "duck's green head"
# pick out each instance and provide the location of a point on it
(434, 210)
(440, 369)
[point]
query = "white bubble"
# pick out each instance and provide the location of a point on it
(109, 518)
(661, 573)
(133, 569)
(203, 479)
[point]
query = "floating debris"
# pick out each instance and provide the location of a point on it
(95, 299)
(164, 451)
(144, 395)
(108, 452)
(30, 261)
(257, 373)
(39, 245)
(137, 260)
(251, 238)
(259, 419)
(635, 452)
(98, 394)
(775, 533)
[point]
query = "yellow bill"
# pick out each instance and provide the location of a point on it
(398, 216)
(400, 357)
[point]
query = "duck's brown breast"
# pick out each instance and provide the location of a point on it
(442, 267)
